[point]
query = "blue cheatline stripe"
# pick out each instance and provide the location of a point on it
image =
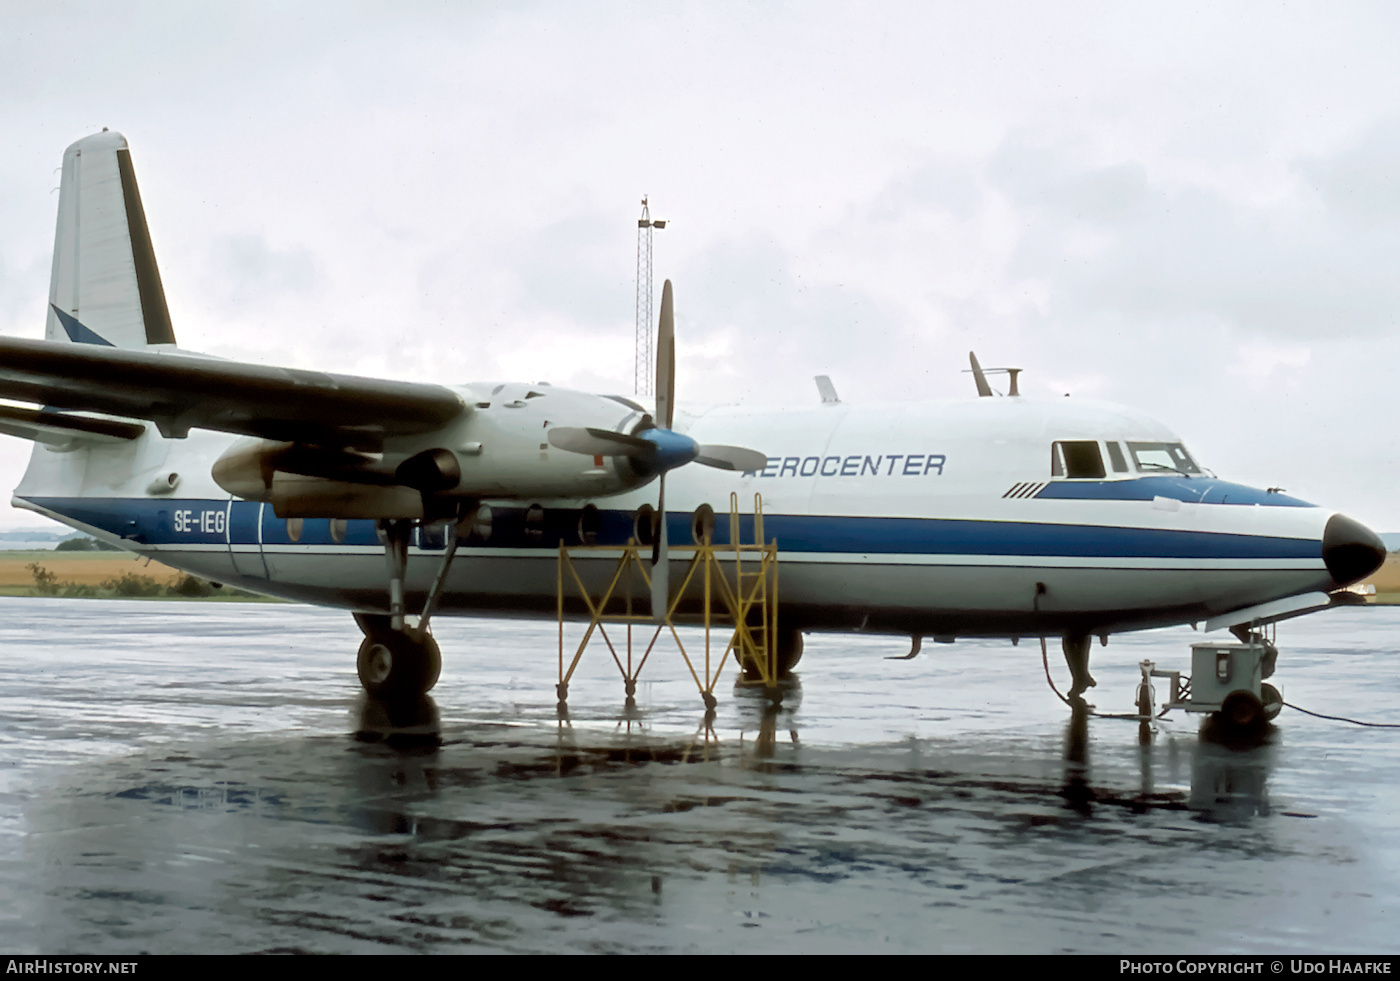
(939, 536)
(1190, 490)
(205, 522)
(77, 332)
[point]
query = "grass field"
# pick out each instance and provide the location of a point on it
(1387, 581)
(95, 574)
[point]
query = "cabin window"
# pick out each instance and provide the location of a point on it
(1077, 459)
(433, 536)
(534, 523)
(702, 525)
(479, 524)
(1116, 458)
(644, 525)
(1162, 458)
(590, 522)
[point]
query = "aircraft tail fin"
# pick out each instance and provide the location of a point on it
(105, 287)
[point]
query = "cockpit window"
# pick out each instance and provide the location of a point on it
(1162, 458)
(1076, 459)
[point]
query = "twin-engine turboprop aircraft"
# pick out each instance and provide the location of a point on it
(992, 516)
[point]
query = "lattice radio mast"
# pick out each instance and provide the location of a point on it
(643, 367)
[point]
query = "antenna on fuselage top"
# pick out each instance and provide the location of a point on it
(979, 375)
(983, 389)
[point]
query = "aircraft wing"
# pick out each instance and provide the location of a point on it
(179, 392)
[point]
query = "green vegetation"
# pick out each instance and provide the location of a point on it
(84, 544)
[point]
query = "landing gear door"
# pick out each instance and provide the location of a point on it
(244, 526)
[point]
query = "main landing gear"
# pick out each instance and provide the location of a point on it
(396, 664)
(397, 660)
(789, 653)
(1076, 648)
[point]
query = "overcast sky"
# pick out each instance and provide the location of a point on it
(1191, 210)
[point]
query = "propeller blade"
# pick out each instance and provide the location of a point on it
(666, 360)
(660, 564)
(732, 458)
(598, 442)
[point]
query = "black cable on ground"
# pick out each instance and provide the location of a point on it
(1342, 718)
(1045, 660)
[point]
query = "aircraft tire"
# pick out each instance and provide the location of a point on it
(1273, 701)
(398, 664)
(789, 653)
(1242, 712)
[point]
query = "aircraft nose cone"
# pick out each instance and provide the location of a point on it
(1350, 550)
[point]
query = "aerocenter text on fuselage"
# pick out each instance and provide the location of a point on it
(855, 465)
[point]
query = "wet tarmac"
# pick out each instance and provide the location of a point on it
(206, 778)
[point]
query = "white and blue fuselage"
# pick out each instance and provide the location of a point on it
(985, 517)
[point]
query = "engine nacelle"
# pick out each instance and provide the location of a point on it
(300, 480)
(245, 469)
(295, 496)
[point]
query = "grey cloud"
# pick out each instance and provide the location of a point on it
(1362, 184)
(781, 323)
(252, 273)
(1042, 177)
(578, 269)
(582, 268)
(23, 293)
(938, 185)
(1160, 251)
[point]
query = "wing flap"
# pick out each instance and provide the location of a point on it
(178, 391)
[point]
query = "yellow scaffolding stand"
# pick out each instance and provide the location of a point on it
(747, 599)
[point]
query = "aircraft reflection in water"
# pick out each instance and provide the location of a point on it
(990, 517)
(1227, 774)
(1229, 770)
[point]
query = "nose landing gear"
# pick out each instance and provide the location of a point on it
(1076, 648)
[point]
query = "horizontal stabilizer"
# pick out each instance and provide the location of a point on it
(62, 429)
